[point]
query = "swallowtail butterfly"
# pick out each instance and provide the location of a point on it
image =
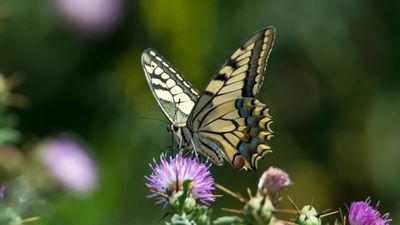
(225, 120)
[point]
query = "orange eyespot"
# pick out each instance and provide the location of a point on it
(238, 161)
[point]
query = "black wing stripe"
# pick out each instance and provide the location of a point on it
(174, 94)
(250, 59)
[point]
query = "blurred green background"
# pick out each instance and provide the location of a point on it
(332, 84)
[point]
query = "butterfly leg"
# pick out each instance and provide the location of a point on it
(194, 149)
(171, 149)
(180, 143)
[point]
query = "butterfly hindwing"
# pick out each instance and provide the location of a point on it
(227, 112)
(241, 128)
(175, 95)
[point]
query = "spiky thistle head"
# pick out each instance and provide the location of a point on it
(170, 174)
(362, 213)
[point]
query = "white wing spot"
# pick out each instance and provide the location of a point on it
(176, 90)
(182, 97)
(172, 70)
(153, 65)
(165, 95)
(164, 76)
(149, 69)
(170, 83)
(178, 76)
(158, 58)
(165, 64)
(186, 84)
(186, 107)
(152, 53)
(156, 81)
(158, 71)
(193, 91)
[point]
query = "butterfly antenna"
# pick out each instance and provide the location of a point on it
(177, 108)
(172, 147)
(154, 119)
(174, 119)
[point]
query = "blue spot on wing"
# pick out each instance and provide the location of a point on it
(239, 103)
(241, 147)
(244, 150)
(250, 121)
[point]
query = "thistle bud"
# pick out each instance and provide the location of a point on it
(308, 216)
(258, 209)
(273, 180)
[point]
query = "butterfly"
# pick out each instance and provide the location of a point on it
(225, 121)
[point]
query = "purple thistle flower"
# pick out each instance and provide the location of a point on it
(91, 16)
(69, 163)
(361, 213)
(168, 176)
(272, 180)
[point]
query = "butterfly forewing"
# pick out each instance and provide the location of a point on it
(242, 74)
(175, 95)
(228, 113)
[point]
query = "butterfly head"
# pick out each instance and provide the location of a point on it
(181, 133)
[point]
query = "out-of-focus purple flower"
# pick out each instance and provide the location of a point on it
(91, 16)
(168, 176)
(272, 180)
(3, 191)
(69, 163)
(361, 213)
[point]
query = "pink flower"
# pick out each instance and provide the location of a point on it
(91, 16)
(361, 213)
(69, 163)
(272, 180)
(168, 176)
